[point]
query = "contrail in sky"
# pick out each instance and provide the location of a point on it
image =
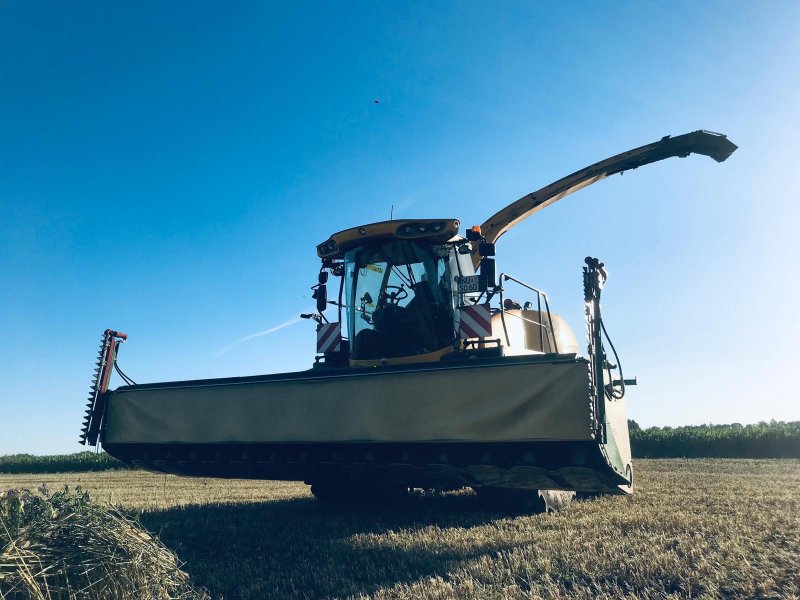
(259, 334)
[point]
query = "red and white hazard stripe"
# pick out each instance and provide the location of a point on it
(329, 337)
(475, 321)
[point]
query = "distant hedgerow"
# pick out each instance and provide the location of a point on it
(59, 463)
(776, 439)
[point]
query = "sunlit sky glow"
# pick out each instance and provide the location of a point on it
(166, 169)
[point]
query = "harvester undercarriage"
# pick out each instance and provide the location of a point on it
(443, 465)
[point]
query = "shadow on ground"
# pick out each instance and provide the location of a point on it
(306, 549)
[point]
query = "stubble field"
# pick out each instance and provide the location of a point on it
(694, 528)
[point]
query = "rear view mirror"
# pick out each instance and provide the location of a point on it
(489, 272)
(321, 294)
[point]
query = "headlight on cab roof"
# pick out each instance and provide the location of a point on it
(412, 230)
(328, 248)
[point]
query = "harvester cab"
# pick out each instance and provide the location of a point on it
(412, 294)
(398, 280)
(435, 372)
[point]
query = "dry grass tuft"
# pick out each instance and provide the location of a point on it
(65, 546)
(695, 528)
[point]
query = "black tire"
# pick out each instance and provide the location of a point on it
(511, 499)
(358, 492)
(331, 492)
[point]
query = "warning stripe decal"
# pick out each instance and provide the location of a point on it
(329, 337)
(475, 321)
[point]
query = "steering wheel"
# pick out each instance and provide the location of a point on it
(393, 298)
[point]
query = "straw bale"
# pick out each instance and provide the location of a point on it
(66, 546)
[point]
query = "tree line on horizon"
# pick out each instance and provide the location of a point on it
(773, 439)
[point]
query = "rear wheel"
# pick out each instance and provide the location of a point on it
(556, 500)
(532, 501)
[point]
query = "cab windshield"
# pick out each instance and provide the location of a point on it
(399, 299)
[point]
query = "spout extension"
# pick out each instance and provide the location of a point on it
(706, 143)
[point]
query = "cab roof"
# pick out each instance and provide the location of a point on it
(432, 230)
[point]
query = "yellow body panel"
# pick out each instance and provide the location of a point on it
(404, 360)
(342, 241)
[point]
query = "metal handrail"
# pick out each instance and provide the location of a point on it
(539, 295)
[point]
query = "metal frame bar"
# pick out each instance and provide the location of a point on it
(539, 295)
(95, 413)
(593, 279)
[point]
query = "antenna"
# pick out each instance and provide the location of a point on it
(391, 213)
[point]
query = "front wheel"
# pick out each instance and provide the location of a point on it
(368, 491)
(331, 492)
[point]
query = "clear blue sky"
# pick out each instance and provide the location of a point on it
(167, 169)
